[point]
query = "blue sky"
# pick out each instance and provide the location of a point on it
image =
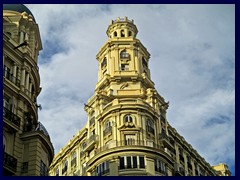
(192, 64)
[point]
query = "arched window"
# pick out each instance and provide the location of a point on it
(128, 118)
(149, 126)
(124, 54)
(129, 33)
(107, 124)
(115, 34)
(122, 33)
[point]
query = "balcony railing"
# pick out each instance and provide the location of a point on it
(90, 142)
(10, 162)
(179, 170)
(11, 116)
(132, 143)
(166, 141)
(11, 78)
(108, 130)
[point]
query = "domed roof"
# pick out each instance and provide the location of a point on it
(18, 8)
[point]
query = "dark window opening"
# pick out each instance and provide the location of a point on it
(128, 118)
(141, 162)
(129, 33)
(129, 162)
(134, 162)
(122, 33)
(121, 164)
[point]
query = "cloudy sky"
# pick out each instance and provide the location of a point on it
(192, 64)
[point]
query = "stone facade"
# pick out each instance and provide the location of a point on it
(28, 150)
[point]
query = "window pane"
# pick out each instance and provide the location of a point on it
(134, 161)
(121, 162)
(142, 163)
(129, 162)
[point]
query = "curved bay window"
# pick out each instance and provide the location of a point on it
(150, 127)
(127, 118)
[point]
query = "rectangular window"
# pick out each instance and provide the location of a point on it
(129, 139)
(134, 161)
(121, 163)
(141, 162)
(124, 67)
(24, 167)
(129, 162)
(43, 169)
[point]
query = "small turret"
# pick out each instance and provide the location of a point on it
(122, 28)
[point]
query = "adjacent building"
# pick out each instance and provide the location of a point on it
(127, 132)
(27, 148)
(222, 169)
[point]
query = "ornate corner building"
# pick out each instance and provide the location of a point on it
(127, 132)
(27, 148)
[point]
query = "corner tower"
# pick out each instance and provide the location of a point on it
(125, 109)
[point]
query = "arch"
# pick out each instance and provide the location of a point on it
(127, 118)
(122, 33)
(115, 34)
(129, 33)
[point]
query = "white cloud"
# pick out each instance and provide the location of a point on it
(192, 64)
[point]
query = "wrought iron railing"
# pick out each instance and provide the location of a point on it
(11, 78)
(11, 116)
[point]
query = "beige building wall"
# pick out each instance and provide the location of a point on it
(127, 132)
(28, 150)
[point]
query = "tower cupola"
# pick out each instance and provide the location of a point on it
(122, 28)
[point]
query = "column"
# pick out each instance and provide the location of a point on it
(21, 35)
(14, 73)
(23, 79)
(30, 89)
(27, 83)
